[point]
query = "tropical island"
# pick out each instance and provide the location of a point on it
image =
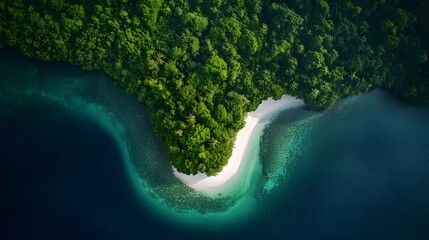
(201, 66)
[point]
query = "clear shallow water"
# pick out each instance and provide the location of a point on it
(78, 158)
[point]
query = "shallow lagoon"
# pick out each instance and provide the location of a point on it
(79, 158)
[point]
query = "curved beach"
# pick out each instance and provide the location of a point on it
(266, 110)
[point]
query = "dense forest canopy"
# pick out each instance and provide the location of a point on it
(200, 65)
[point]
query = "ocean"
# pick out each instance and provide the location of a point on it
(79, 159)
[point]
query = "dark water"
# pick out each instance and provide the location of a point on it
(364, 174)
(359, 170)
(62, 175)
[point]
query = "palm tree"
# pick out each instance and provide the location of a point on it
(191, 119)
(353, 75)
(314, 93)
(213, 142)
(159, 58)
(294, 86)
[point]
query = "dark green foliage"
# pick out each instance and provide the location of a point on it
(201, 65)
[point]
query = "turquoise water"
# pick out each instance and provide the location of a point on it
(79, 158)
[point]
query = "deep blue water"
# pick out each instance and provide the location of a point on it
(359, 170)
(362, 173)
(62, 175)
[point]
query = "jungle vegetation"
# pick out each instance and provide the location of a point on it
(201, 65)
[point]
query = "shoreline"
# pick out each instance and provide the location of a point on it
(265, 112)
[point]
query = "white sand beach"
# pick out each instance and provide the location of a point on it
(266, 110)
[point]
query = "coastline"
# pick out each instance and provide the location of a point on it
(262, 115)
